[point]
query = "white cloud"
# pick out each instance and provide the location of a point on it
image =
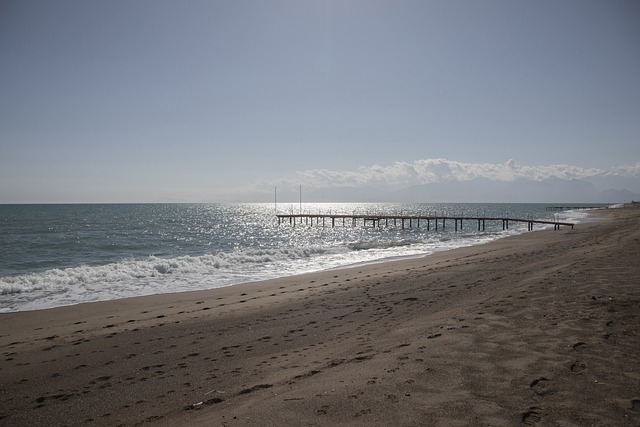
(626, 170)
(427, 171)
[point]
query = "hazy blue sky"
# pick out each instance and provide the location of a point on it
(153, 100)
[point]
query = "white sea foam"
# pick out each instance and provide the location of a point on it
(155, 275)
(214, 268)
(246, 252)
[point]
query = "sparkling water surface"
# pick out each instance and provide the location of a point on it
(53, 255)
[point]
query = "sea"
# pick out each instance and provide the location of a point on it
(56, 255)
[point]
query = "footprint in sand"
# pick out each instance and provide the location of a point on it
(579, 345)
(531, 416)
(577, 367)
(540, 386)
(635, 405)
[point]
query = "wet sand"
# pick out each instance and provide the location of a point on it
(537, 329)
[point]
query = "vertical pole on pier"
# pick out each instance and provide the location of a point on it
(456, 221)
(483, 225)
(443, 220)
(410, 223)
(418, 222)
(436, 223)
(428, 225)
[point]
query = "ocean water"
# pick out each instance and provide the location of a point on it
(55, 255)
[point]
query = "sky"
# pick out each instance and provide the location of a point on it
(213, 101)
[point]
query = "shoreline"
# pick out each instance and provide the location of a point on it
(70, 301)
(535, 328)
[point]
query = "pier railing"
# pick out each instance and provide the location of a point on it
(574, 208)
(377, 220)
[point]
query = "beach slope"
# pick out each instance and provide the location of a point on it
(536, 329)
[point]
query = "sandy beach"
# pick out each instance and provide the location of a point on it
(537, 329)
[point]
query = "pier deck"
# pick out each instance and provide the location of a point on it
(378, 220)
(575, 208)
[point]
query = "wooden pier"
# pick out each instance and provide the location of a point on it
(410, 220)
(574, 208)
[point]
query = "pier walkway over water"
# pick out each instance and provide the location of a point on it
(574, 208)
(410, 220)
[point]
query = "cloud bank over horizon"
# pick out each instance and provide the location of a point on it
(440, 175)
(430, 171)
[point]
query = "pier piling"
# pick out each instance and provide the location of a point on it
(375, 220)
